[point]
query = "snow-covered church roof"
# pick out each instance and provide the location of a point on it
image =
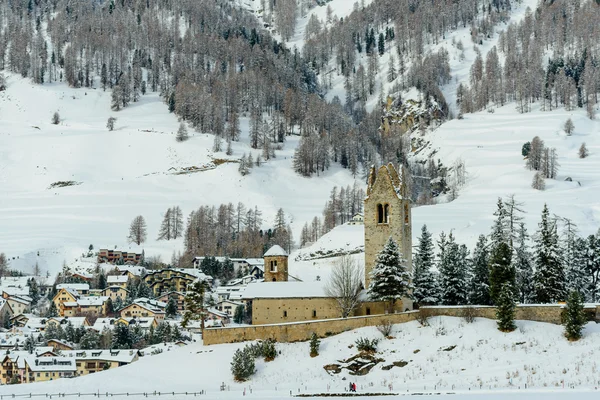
(276, 251)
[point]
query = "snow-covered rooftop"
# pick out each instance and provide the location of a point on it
(117, 279)
(276, 251)
(76, 286)
(276, 290)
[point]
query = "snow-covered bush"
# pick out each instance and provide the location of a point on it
(242, 365)
(365, 344)
(385, 328)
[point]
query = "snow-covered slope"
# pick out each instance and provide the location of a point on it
(449, 356)
(490, 145)
(130, 171)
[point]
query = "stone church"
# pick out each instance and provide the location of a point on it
(387, 212)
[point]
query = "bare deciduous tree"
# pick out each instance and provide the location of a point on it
(569, 127)
(538, 182)
(137, 230)
(3, 264)
(110, 124)
(182, 133)
(583, 151)
(56, 118)
(345, 285)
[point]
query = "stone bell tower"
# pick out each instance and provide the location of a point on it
(387, 213)
(276, 264)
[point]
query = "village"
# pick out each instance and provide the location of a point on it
(97, 321)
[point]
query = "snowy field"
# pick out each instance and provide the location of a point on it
(124, 173)
(475, 361)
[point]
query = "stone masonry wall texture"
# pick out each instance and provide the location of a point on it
(301, 331)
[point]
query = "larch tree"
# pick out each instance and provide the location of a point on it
(583, 151)
(538, 183)
(390, 279)
(177, 227)
(569, 127)
(166, 229)
(182, 133)
(138, 230)
(3, 265)
(426, 290)
(110, 123)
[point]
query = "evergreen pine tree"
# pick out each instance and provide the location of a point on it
(523, 267)
(52, 310)
(314, 345)
(70, 332)
(390, 280)
(34, 292)
(549, 277)
(269, 350)
(195, 304)
(143, 290)
(574, 316)
(29, 344)
(171, 309)
(453, 272)
(110, 307)
(499, 229)
(502, 272)
(121, 338)
(101, 281)
(479, 292)
(426, 290)
(577, 277)
(90, 340)
(505, 312)
(242, 365)
(238, 316)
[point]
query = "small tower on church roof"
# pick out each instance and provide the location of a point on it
(276, 264)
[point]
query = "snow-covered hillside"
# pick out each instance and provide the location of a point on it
(130, 171)
(448, 356)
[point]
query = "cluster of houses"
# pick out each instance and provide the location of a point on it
(80, 306)
(46, 363)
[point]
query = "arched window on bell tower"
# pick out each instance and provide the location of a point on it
(383, 213)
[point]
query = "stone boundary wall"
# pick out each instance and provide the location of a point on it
(301, 331)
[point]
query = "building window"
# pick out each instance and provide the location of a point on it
(274, 279)
(285, 314)
(274, 266)
(383, 213)
(368, 311)
(314, 313)
(406, 220)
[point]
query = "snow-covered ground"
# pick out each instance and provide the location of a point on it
(124, 173)
(449, 356)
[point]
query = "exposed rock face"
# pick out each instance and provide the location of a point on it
(401, 117)
(360, 364)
